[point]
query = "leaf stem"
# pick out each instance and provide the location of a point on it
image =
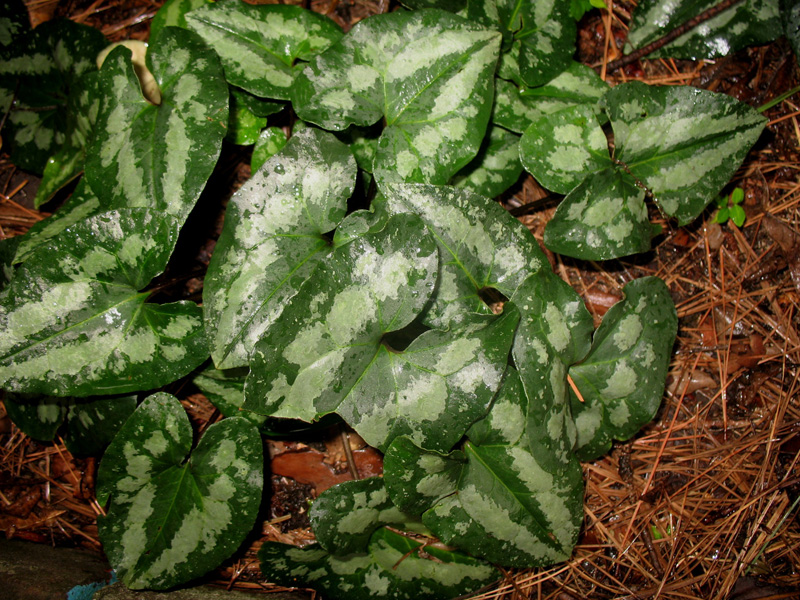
(672, 35)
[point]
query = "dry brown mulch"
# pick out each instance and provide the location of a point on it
(703, 503)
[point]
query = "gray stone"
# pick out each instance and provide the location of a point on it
(39, 572)
(120, 592)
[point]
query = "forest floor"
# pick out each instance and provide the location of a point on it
(703, 503)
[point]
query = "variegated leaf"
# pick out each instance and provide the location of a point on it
(76, 323)
(683, 143)
(13, 24)
(554, 332)
(603, 217)
(40, 71)
(225, 390)
(496, 167)
(159, 156)
(622, 378)
(363, 143)
(330, 351)
(67, 162)
(393, 568)
(429, 74)
(752, 22)
(417, 479)
(497, 499)
(81, 205)
(8, 250)
(270, 141)
(38, 417)
(516, 107)
(175, 515)
(481, 245)
(260, 45)
(562, 149)
(546, 32)
(346, 515)
(790, 15)
(173, 14)
(272, 240)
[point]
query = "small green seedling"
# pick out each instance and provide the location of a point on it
(730, 208)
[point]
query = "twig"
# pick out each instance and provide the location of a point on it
(672, 35)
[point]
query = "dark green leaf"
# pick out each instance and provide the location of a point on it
(428, 74)
(334, 353)
(259, 45)
(273, 239)
(790, 15)
(393, 569)
(79, 324)
(67, 163)
(683, 143)
(481, 246)
(554, 332)
(38, 417)
(746, 23)
(92, 423)
(159, 156)
(622, 378)
(40, 71)
(604, 217)
(346, 515)
(172, 519)
(517, 107)
(496, 167)
(498, 499)
(562, 149)
(13, 24)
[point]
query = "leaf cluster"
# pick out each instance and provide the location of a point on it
(362, 275)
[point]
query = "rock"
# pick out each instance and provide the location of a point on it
(39, 572)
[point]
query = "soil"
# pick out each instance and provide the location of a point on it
(703, 503)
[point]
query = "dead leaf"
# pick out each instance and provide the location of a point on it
(788, 241)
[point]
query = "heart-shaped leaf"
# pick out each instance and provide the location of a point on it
(396, 567)
(563, 148)
(330, 350)
(790, 14)
(497, 166)
(496, 498)
(428, 74)
(272, 240)
(680, 144)
(753, 22)
(260, 45)
(554, 332)
(40, 71)
(603, 217)
(683, 143)
(622, 378)
(172, 519)
(13, 24)
(159, 156)
(481, 245)
(79, 325)
(345, 516)
(516, 107)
